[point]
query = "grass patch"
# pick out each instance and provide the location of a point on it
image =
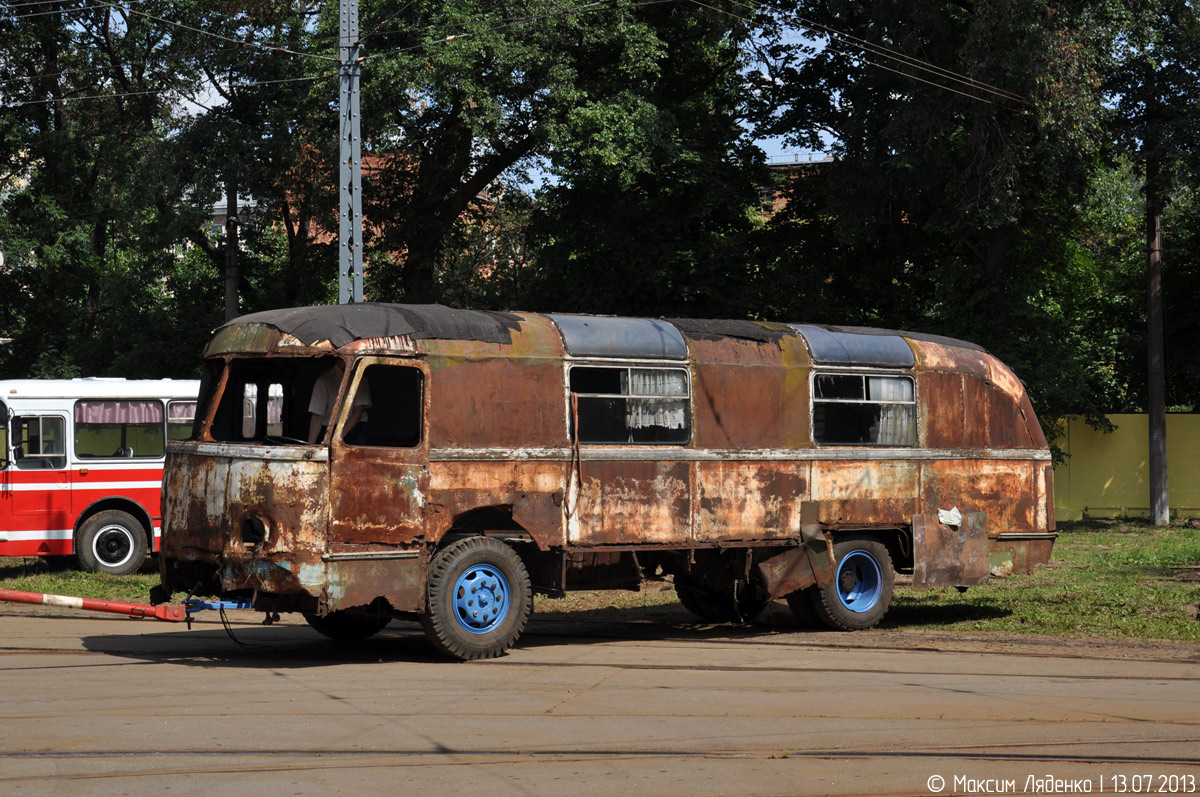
(1108, 578)
(59, 577)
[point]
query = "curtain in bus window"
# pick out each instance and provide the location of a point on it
(897, 422)
(118, 412)
(656, 382)
(643, 413)
(250, 409)
(119, 428)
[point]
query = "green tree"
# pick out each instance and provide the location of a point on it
(963, 136)
(653, 207)
(89, 92)
(458, 94)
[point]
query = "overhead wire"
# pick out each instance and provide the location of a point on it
(49, 2)
(587, 8)
(881, 51)
(23, 103)
(869, 50)
(240, 42)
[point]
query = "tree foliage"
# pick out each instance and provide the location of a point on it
(987, 174)
(956, 199)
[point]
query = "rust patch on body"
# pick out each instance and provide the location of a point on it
(947, 555)
(748, 500)
(632, 502)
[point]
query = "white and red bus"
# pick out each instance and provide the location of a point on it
(81, 465)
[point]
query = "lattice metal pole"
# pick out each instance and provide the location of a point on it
(350, 268)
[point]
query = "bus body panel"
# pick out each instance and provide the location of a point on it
(748, 451)
(45, 500)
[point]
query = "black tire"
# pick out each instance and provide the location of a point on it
(861, 590)
(801, 604)
(479, 599)
(111, 542)
(347, 626)
(717, 605)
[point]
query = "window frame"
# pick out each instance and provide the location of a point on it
(627, 366)
(345, 406)
(864, 374)
(76, 424)
(67, 439)
(191, 426)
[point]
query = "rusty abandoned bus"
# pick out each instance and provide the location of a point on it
(444, 465)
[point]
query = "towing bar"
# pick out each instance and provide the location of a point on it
(171, 614)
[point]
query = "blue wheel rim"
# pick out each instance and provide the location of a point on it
(859, 582)
(481, 598)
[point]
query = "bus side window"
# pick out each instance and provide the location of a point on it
(181, 416)
(121, 428)
(390, 396)
(38, 440)
(864, 410)
(649, 406)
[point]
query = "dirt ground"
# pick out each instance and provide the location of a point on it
(587, 704)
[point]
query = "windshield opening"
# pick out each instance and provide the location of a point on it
(267, 400)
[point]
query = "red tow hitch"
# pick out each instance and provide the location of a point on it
(171, 614)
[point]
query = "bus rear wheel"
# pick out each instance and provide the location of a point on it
(479, 599)
(722, 604)
(861, 590)
(347, 626)
(111, 542)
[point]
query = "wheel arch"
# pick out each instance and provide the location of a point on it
(897, 540)
(121, 504)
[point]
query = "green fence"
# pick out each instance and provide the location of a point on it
(1108, 475)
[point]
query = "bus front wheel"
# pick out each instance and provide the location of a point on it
(861, 590)
(111, 542)
(479, 599)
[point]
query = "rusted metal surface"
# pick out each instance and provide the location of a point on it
(344, 524)
(942, 416)
(533, 491)
(735, 381)
(977, 408)
(1006, 491)
(1019, 553)
(950, 556)
(748, 500)
(622, 502)
(254, 521)
(865, 492)
(802, 567)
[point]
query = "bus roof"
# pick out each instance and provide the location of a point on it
(334, 326)
(99, 388)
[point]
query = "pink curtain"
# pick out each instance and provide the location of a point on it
(133, 411)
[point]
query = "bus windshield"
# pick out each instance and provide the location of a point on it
(267, 401)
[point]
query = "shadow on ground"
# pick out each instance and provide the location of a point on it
(294, 645)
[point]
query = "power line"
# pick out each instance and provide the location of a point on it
(877, 50)
(64, 11)
(239, 42)
(510, 22)
(51, 2)
(863, 59)
(158, 91)
(125, 7)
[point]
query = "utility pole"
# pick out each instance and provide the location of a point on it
(1160, 513)
(350, 269)
(231, 244)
